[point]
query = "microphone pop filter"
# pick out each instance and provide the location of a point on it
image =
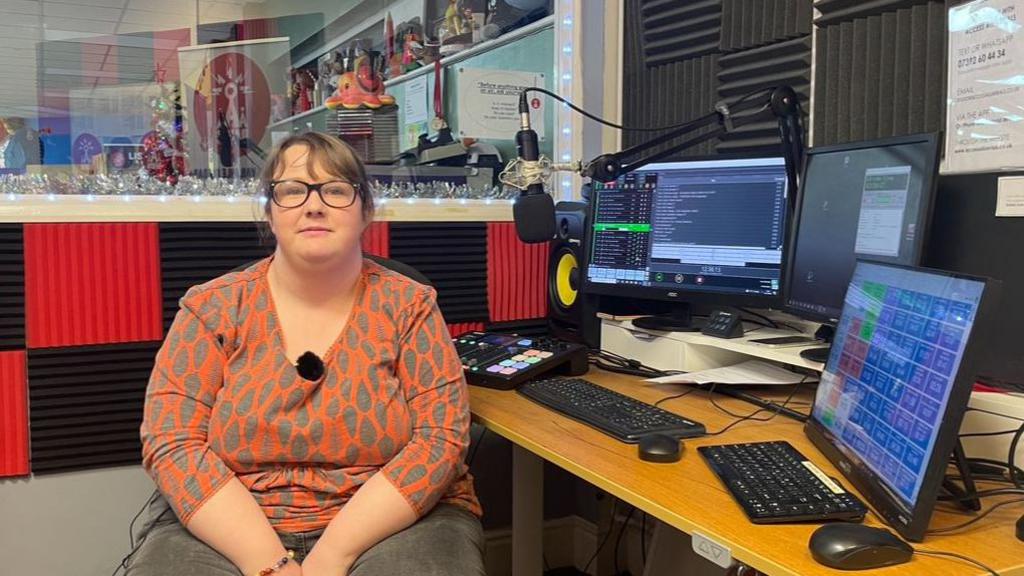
(534, 215)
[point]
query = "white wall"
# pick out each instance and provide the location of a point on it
(73, 524)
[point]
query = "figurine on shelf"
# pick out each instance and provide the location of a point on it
(361, 86)
(455, 32)
(301, 91)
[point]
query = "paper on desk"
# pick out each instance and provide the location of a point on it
(750, 372)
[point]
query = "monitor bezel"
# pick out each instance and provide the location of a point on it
(683, 295)
(928, 191)
(885, 503)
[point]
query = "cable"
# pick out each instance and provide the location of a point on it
(603, 542)
(1011, 460)
(771, 323)
(1007, 416)
(977, 518)
(980, 434)
(956, 556)
(476, 447)
(522, 100)
(643, 538)
(673, 397)
(752, 415)
(618, 540)
(1002, 465)
(983, 494)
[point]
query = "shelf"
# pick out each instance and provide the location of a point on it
(55, 208)
(481, 48)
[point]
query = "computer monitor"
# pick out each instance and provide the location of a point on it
(869, 200)
(894, 390)
(703, 230)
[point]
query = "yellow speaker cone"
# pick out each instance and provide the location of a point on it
(563, 287)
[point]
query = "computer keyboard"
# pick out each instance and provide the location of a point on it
(621, 417)
(775, 483)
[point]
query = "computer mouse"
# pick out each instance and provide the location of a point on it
(660, 448)
(858, 547)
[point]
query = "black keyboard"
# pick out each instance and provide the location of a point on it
(774, 483)
(617, 415)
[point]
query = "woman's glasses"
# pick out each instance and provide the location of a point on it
(295, 193)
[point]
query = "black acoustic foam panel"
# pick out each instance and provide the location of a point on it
(741, 73)
(751, 23)
(86, 405)
(12, 287)
(194, 253)
(674, 30)
(672, 94)
(880, 75)
(832, 11)
(453, 255)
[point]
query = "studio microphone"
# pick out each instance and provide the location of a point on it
(310, 367)
(533, 211)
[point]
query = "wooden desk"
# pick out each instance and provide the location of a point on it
(687, 496)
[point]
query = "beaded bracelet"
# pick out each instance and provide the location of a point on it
(278, 566)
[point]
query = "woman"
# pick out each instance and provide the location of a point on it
(277, 462)
(22, 147)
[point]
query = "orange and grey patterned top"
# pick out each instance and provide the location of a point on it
(224, 401)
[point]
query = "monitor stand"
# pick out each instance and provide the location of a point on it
(966, 496)
(678, 320)
(826, 333)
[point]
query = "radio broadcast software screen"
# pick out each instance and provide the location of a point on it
(714, 226)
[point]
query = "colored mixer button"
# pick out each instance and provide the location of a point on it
(494, 369)
(546, 354)
(525, 342)
(533, 360)
(519, 357)
(520, 365)
(531, 352)
(507, 363)
(508, 371)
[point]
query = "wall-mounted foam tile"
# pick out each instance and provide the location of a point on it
(13, 414)
(86, 404)
(12, 287)
(752, 23)
(741, 73)
(91, 284)
(833, 11)
(196, 252)
(517, 275)
(673, 31)
(461, 328)
(881, 75)
(376, 239)
(453, 256)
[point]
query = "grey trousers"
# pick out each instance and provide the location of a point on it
(448, 541)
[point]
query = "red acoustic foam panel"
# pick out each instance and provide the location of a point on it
(517, 275)
(376, 239)
(461, 328)
(13, 415)
(92, 284)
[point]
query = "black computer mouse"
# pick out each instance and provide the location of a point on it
(858, 547)
(660, 448)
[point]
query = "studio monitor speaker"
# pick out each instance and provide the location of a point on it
(572, 313)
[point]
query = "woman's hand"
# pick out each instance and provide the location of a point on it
(322, 562)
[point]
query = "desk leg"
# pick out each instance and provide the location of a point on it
(527, 513)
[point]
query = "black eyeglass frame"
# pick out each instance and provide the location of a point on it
(310, 188)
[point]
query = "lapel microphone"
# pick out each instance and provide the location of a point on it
(310, 366)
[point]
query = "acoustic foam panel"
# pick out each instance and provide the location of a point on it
(12, 287)
(13, 415)
(669, 95)
(376, 239)
(516, 275)
(674, 31)
(194, 253)
(86, 404)
(751, 23)
(833, 11)
(741, 73)
(453, 255)
(461, 328)
(91, 284)
(881, 75)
